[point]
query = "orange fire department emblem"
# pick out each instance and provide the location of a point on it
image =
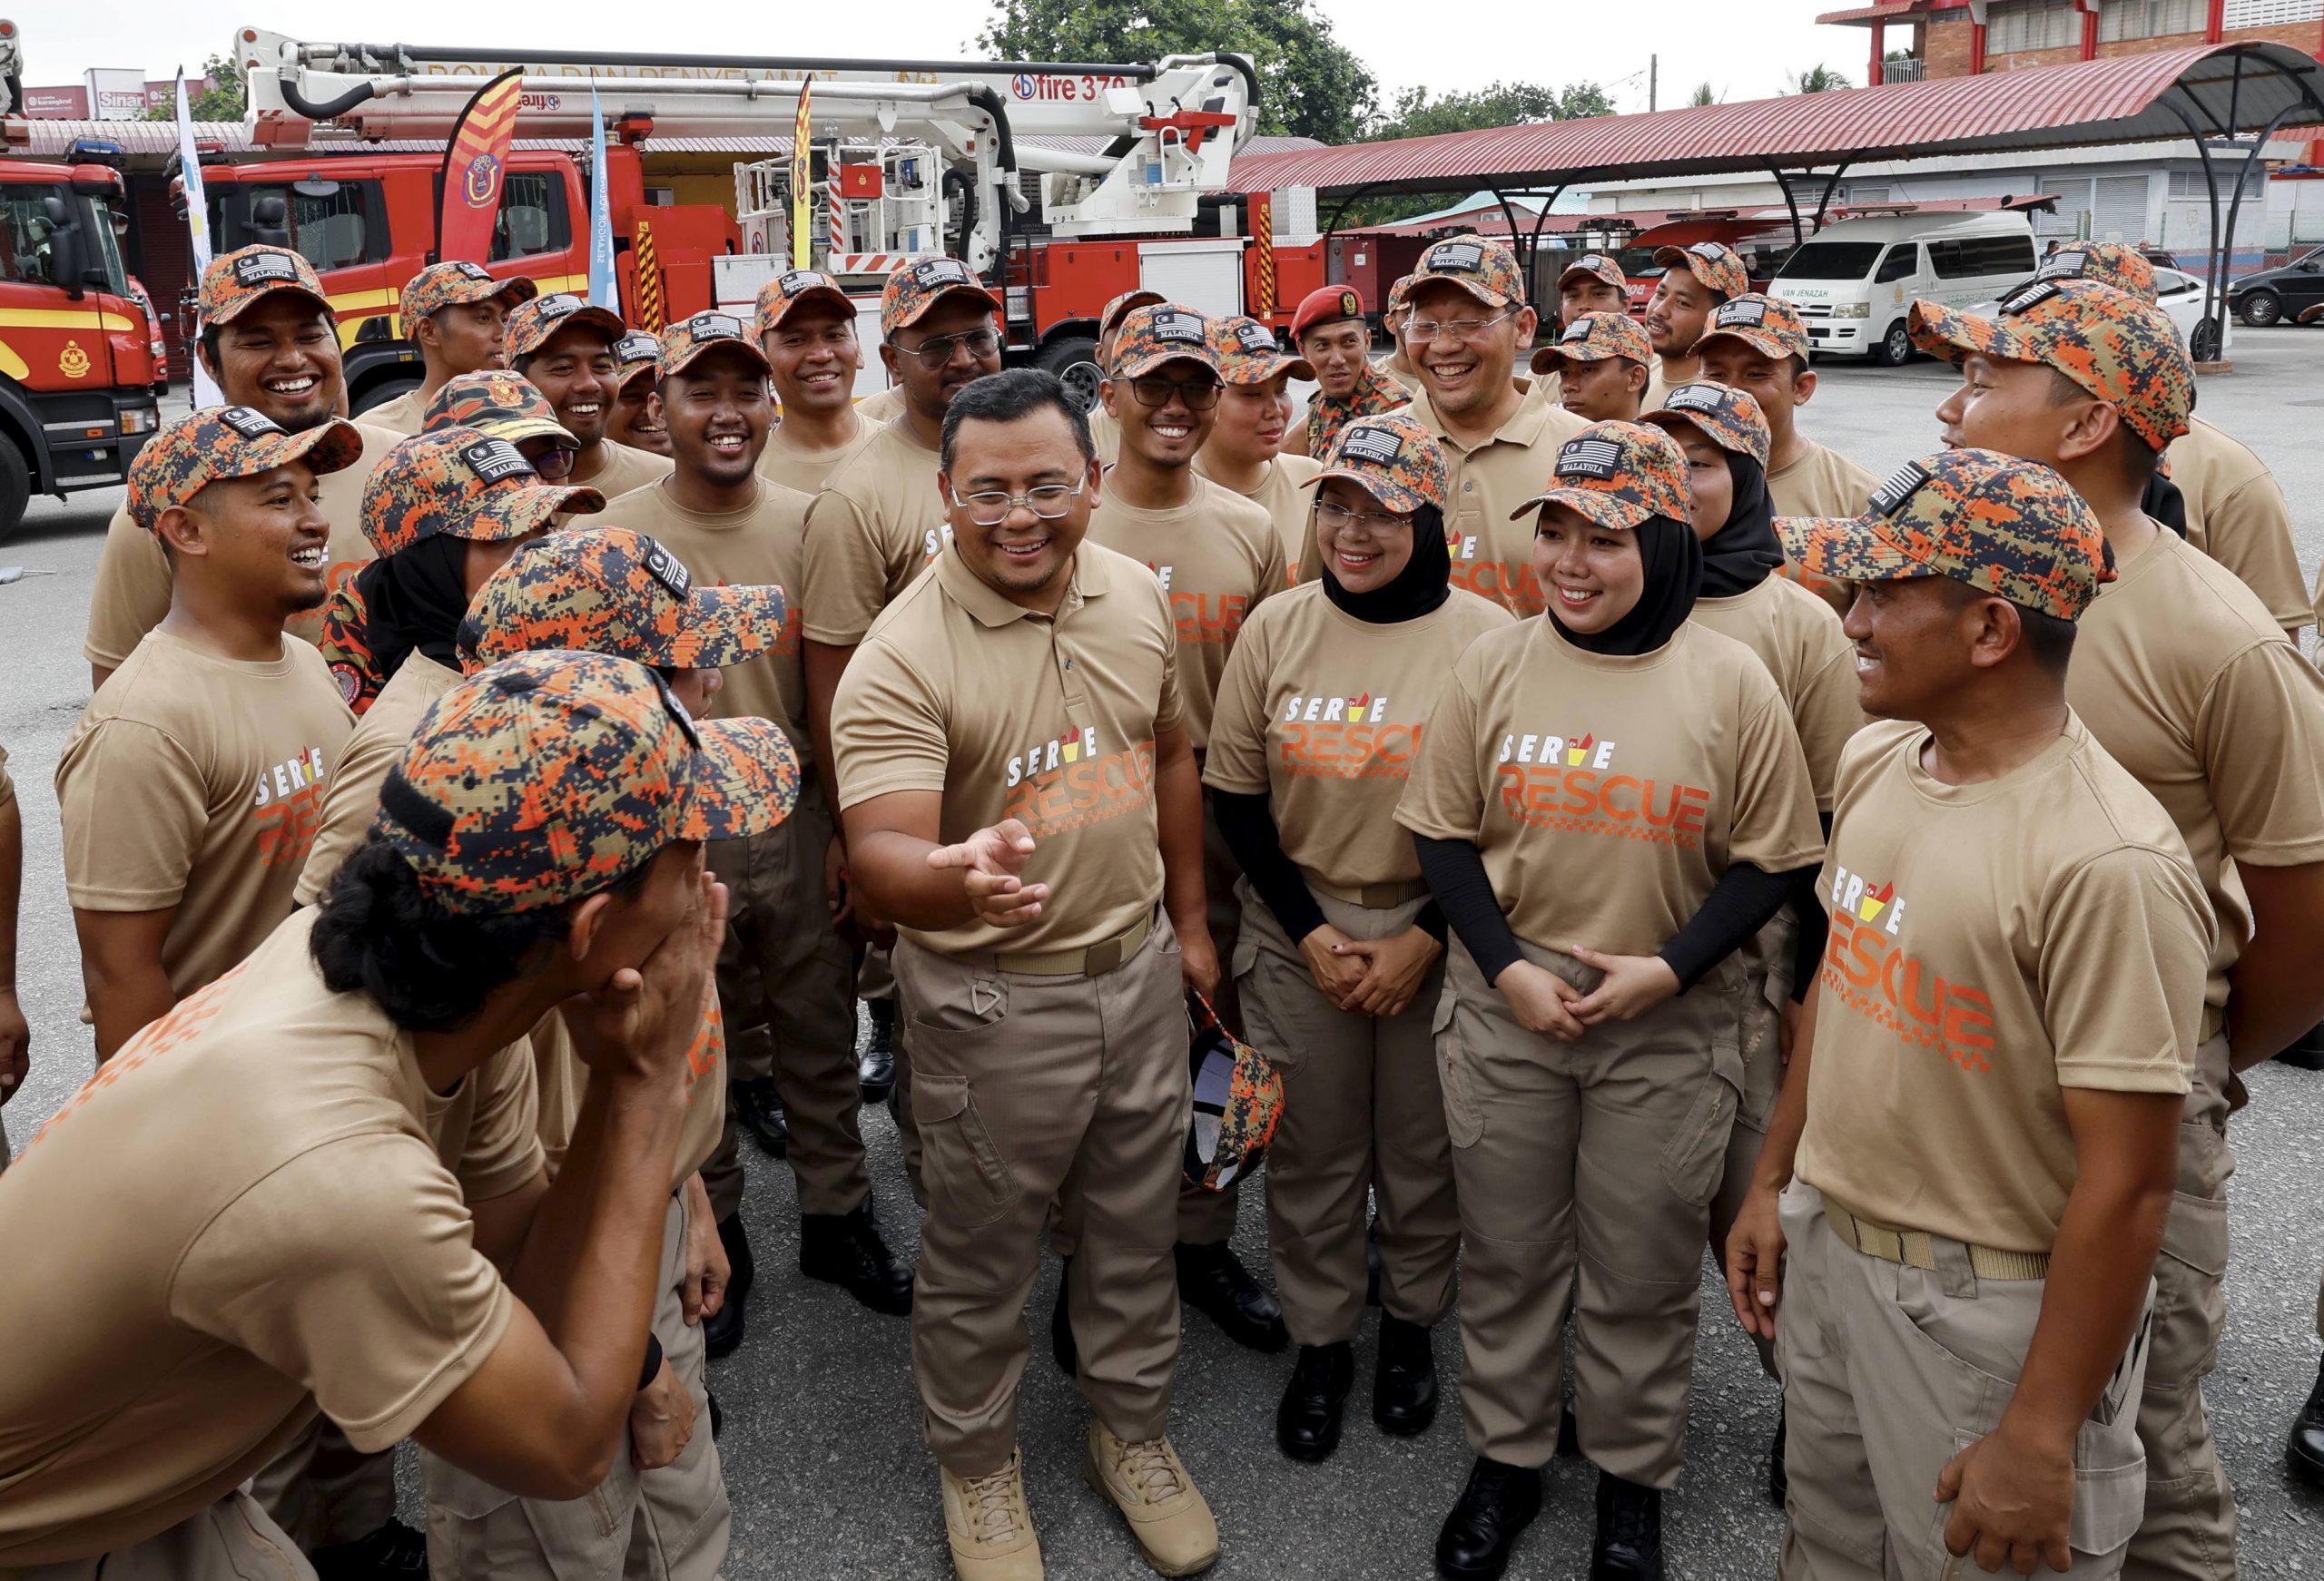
(72, 362)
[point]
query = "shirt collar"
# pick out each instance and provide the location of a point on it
(1091, 578)
(1523, 427)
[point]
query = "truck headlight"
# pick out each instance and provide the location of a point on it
(1853, 311)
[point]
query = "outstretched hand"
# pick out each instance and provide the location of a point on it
(990, 862)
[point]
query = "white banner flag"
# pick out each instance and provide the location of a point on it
(197, 221)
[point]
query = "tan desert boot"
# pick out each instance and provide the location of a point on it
(989, 1527)
(1148, 1483)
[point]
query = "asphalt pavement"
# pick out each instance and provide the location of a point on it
(822, 1449)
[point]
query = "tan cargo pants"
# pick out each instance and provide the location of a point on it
(669, 1524)
(1888, 1372)
(1363, 1113)
(233, 1540)
(1031, 1089)
(1585, 1172)
(784, 967)
(1766, 963)
(2188, 1533)
(322, 1490)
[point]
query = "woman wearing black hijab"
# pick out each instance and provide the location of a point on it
(1317, 718)
(1608, 802)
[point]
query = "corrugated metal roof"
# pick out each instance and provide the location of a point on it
(2106, 101)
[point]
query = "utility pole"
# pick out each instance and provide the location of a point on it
(1653, 79)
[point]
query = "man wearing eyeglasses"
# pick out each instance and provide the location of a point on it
(1468, 319)
(1021, 796)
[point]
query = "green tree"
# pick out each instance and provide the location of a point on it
(1703, 95)
(1416, 114)
(1309, 85)
(1818, 78)
(222, 103)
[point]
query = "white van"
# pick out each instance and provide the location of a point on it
(1854, 281)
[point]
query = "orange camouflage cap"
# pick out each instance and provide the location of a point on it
(554, 775)
(444, 285)
(1598, 267)
(1325, 305)
(1717, 265)
(1729, 418)
(1392, 457)
(919, 285)
(689, 340)
(219, 444)
(1246, 352)
(532, 323)
(460, 483)
(236, 280)
(497, 404)
(639, 351)
(2109, 263)
(1769, 325)
(788, 290)
(2014, 528)
(1137, 297)
(1165, 332)
(1399, 296)
(609, 590)
(1594, 338)
(1617, 475)
(1483, 268)
(2123, 351)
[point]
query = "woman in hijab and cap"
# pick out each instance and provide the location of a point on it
(1319, 714)
(1609, 802)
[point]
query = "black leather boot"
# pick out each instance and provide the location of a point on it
(846, 1249)
(758, 1109)
(1630, 1532)
(876, 1067)
(2305, 1453)
(1496, 1506)
(1062, 1345)
(1403, 1381)
(722, 1332)
(1308, 1421)
(394, 1552)
(2308, 1053)
(1213, 1280)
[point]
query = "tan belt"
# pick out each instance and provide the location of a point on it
(1370, 896)
(1090, 961)
(1918, 1248)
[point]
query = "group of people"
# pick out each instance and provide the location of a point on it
(1627, 826)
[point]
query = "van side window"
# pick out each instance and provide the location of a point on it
(1899, 264)
(1982, 255)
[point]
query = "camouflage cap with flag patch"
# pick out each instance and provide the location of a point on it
(1392, 457)
(236, 280)
(1597, 266)
(2014, 528)
(2109, 263)
(1594, 338)
(532, 324)
(609, 590)
(919, 285)
(554, 775)
(689, 340)
(1729, 418)
(219, 444)
(1769, 325)
(639, 351)
(496, 403)
(462, 484)
(1719, 266)
(1483, 268)
(1246, 352)
(793, 288)
(1617, 475)
(1165, 332)
(2123, 351)
(444, 285)
(1136, 297)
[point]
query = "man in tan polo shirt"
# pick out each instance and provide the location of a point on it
(302, 1176)
(2182, 675)
(1022, 797)
(564, 348)
(1984, 1105)
(456, 313)
(269, 342)
(1245, 452)
(1695, 280)
(806, 326)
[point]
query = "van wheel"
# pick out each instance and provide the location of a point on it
(1895, 349)
(15, 487)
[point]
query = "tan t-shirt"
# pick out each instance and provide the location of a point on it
(256, 1210)
(1217, 556)
(1607, 794)
(133, 588)
(883, 405)
(1105, 436)
(1798, 638)
(1991, 945)
(2185, 678)
(1492, 556)
(613, 469)
(2237, 514)
(1659, 384)
(404, 415)
(1289, 503)
(792, 467)
(878, 524)
(1012, 714)
(197, 781)
(1820, 482)
(1323, 713)
(351, 794)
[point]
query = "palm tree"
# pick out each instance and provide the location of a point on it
(1703, 95)
(1818, 78)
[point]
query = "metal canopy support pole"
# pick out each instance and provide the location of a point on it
(1534, 244)
(1798, 234)
(1332, 227)
(2214, 297)
(1510, 215)
(1830, 187)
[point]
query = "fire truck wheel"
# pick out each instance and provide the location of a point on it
(1074, 360)
(15, 487)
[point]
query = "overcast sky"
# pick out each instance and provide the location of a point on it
(1741, 50)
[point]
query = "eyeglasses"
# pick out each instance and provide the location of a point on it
(1339, 518)
(1048, 502)
(554, 464)
(1199, 396)
(1420, 331)
(938, 350)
